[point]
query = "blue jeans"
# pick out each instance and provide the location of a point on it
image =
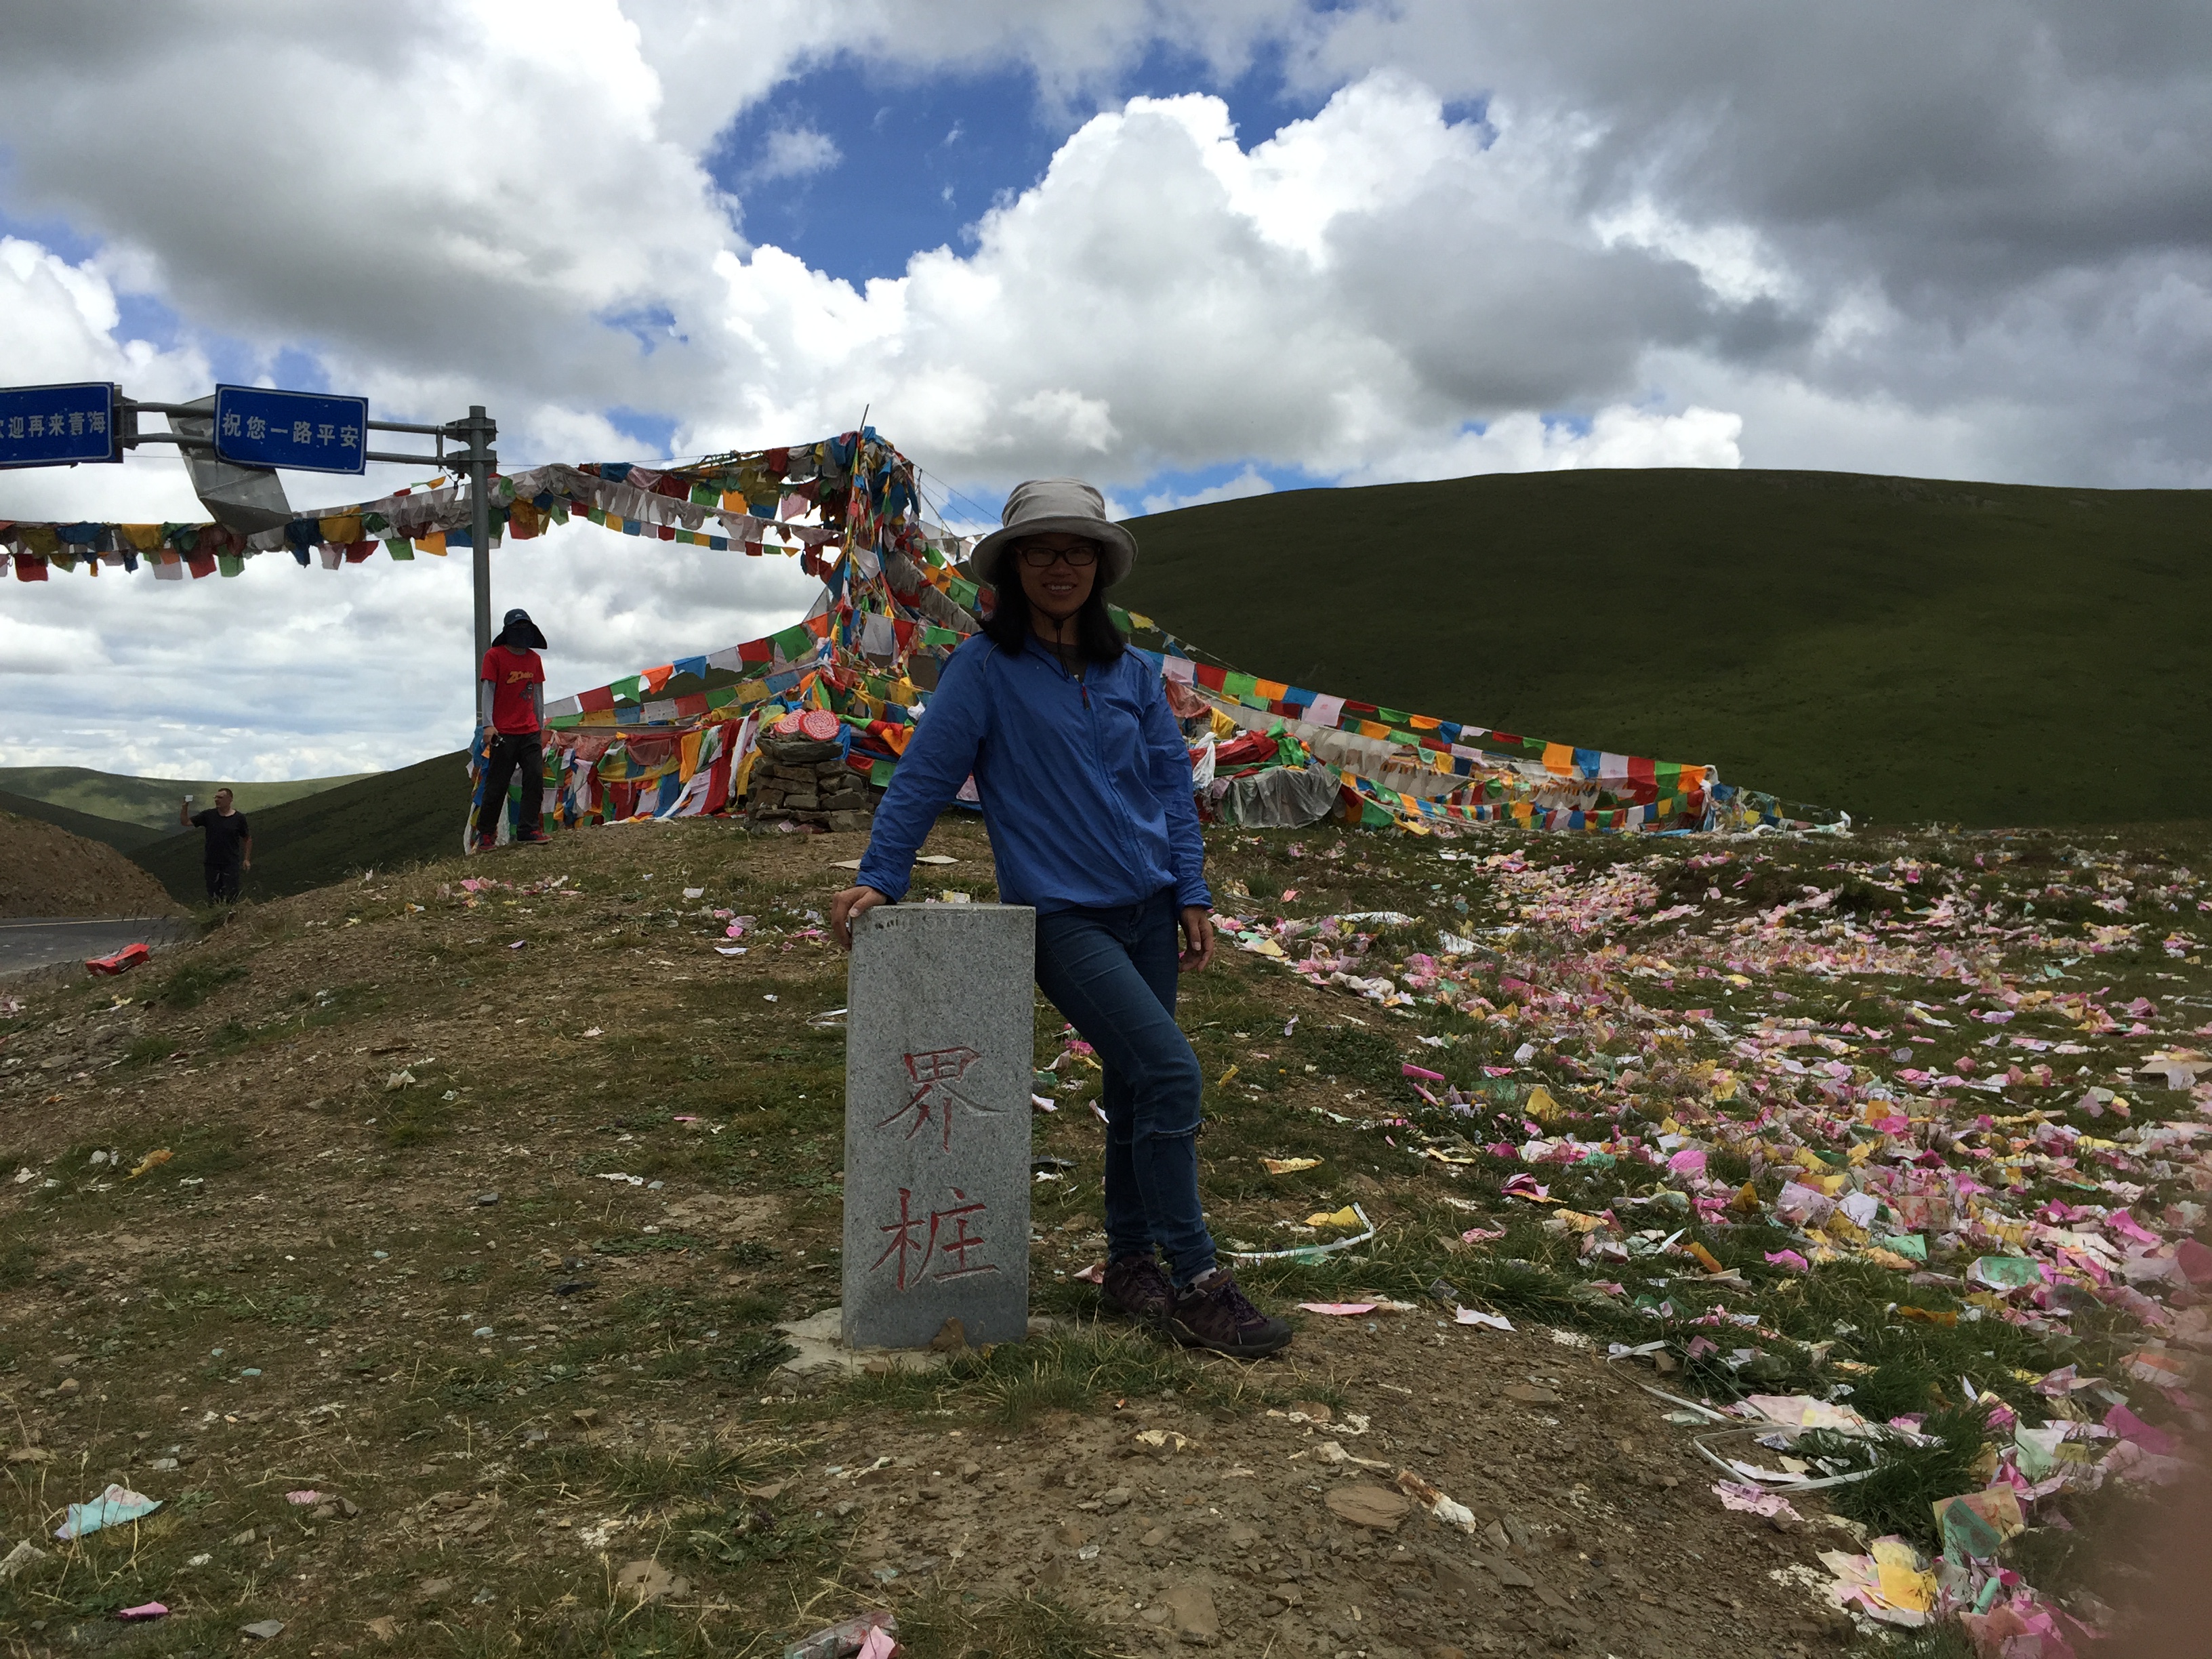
(1112, 973)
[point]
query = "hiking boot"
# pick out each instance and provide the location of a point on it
(1135, 1287)
(1214, 1314)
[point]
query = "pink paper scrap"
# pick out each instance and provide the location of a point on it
(2124, 1423)
(1742, 1495)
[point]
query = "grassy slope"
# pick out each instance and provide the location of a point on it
(386, 819)
(1907, 649)
(123, 838)
(222, 1301)
(149, 801)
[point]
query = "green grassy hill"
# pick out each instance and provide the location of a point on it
(149, 801)
(386, 819)
(123, 838)
(1907, 649)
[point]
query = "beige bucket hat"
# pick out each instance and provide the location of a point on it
(1045, 506)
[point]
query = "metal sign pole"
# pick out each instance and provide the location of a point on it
(480, 431)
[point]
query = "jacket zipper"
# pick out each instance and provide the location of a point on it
(1098, 762)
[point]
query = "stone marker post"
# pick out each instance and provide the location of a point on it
(938, 1057)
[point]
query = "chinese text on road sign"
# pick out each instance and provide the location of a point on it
(57, 425)
(305, 431)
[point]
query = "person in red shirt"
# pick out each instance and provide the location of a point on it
(511, 701)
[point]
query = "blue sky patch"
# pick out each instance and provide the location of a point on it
(854, 168)
(654, 434)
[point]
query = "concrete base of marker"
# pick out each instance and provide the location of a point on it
(938, 1059)
(818, 1350)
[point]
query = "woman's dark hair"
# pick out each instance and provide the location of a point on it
(1096, 639)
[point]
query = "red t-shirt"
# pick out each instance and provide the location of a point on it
(512, 673)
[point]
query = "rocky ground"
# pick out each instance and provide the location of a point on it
(423, 1245)
(45, 870)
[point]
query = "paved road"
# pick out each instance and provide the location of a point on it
(38, 941)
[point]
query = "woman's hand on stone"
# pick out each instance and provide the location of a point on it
(847, 908)
(1197, 939)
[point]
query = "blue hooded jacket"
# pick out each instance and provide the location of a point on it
(1086, 783)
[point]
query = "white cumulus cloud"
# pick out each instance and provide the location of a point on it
(1244, 485)
(28, 647)
(795, 153)
(1618, 436)
(1167, 297)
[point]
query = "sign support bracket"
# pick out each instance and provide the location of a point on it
(473, 455)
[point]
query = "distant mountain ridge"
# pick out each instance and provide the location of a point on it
(150, 802)
(378, 821)
(122, 837)
(1909, 649)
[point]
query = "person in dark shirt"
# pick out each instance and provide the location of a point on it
(229, 851)
(511, 701)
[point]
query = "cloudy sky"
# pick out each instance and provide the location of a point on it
(1186, 250)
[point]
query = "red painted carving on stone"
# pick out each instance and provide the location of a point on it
(934, 1074)
(943, 1237)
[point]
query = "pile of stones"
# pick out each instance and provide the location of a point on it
(804, 781)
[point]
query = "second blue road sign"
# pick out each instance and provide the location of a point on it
(304, 431)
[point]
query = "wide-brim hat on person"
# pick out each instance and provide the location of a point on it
(519, 633)
(1045, 507)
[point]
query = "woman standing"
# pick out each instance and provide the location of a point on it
(1085, 786)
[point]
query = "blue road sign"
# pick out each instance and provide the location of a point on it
(305, 431)
(57, 425)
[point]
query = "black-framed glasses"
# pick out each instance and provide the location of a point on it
(1079, 558)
